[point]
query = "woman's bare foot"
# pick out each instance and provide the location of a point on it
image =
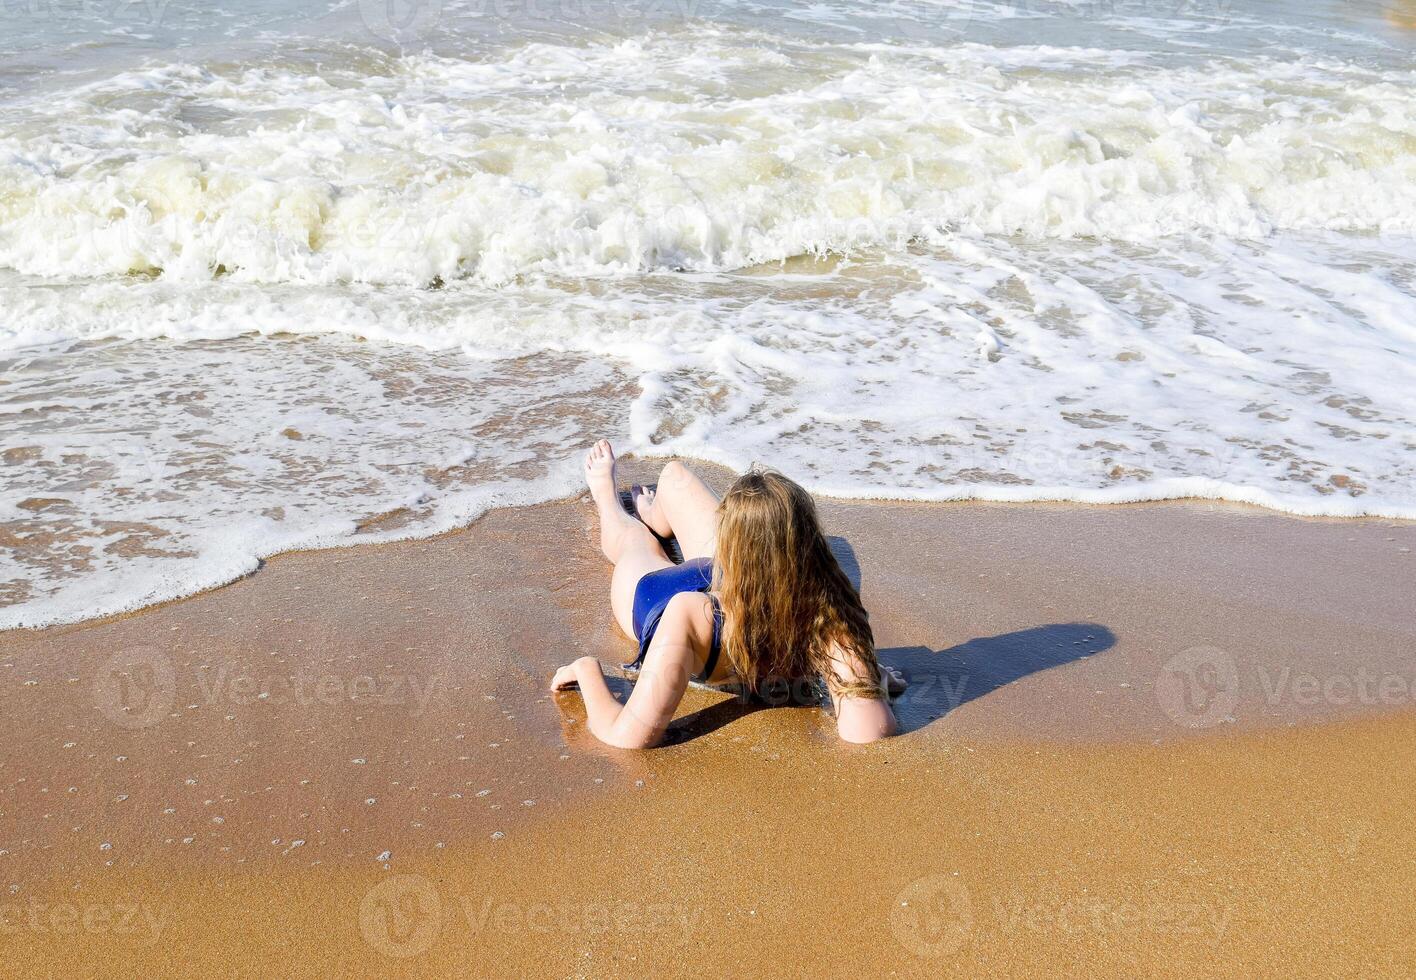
(600, 478)
(600, 473)
(643, 498)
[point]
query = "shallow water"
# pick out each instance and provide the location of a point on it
(274, 276)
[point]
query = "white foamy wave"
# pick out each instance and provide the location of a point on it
(145, 472)
(921, 271)
(656, 154)
(1282, 375)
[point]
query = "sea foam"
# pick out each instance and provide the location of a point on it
(652, 154)
(255, 308)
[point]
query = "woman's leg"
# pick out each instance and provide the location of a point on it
(626, 543)
(682, 507)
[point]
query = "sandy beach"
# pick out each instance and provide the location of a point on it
(1091, 327)
(1161, 738)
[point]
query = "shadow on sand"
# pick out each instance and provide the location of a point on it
(941, 680)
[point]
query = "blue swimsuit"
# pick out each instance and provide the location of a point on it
(652, 595)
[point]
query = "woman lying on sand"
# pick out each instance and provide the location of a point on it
(758, 601)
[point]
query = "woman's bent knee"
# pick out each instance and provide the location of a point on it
(674, 472)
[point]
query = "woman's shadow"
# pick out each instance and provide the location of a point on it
(939, 680)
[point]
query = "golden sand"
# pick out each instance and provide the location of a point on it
(1170, 739)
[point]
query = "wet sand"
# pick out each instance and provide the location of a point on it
(1164, 738)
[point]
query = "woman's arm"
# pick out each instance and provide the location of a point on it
(641, 721)
(861, 720)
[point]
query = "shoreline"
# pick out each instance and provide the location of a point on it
(643, 469)
(1110, 720)
(876, 516)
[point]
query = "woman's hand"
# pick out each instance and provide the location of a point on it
(640, 722)
(569, 676)
(895, 682)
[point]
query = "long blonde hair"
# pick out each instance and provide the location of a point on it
(786, 602)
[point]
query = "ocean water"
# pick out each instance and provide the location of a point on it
(281, 275)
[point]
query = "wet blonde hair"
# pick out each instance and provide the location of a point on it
(786, 602)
